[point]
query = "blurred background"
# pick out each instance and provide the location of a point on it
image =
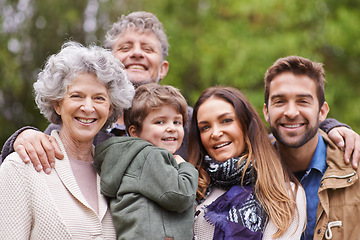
(223, 42)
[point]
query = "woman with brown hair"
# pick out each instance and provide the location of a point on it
(244, 192)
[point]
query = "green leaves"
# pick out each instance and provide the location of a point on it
(227, 42)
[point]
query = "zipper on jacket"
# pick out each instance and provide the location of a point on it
(317, 220)
(337, 177)
(340, 177)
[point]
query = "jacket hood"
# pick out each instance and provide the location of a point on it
(113, 157)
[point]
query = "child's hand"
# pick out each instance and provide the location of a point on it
(179, 159)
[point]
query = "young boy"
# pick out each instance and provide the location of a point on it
(152, 192)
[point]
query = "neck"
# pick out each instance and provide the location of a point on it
(298, 159)
(121, 120)
(77, 149)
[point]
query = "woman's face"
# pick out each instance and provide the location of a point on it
(220, 130)
(84, 109)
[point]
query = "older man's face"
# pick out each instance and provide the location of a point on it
(141, 54)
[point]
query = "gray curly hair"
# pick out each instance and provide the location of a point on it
(139, 21)
(62, 68)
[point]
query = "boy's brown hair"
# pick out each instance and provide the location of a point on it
(152, 96)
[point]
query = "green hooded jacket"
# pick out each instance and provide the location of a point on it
(151, 196)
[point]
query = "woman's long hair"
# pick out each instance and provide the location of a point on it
(272, 184)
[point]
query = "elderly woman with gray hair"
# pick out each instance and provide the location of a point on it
(82, 89)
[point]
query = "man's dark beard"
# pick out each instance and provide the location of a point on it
(307, 136)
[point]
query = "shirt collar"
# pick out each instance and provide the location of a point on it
(116, 126)
(318, 160)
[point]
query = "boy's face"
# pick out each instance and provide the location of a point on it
(163, 127)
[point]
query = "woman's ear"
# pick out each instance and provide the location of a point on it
(57, 107)
(132, 131)
(110, 110)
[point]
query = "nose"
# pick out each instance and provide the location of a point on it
(217, 132)
(291, 110)
(87, 106)
(170, 127)
(137, 52)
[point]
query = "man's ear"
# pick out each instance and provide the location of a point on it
(164, 68)
(266, 114)
(324, 110)
(132, 131)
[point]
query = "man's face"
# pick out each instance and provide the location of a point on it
(293, 109)
(140, 52)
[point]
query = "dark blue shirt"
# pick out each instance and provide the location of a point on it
(311, 183)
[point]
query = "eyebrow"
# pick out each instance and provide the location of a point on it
(219, 117)
(298, 95)
(180, 116)
(128, 41)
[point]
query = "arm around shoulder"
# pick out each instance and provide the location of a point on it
(9, 144)
(330, 123)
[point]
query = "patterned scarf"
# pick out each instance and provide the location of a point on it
(229, 173)
(237, 214)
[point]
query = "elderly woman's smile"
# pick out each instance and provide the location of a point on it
(85, 121)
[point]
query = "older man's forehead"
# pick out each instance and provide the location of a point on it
(144, 36)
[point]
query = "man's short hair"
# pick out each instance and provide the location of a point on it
(298, 66)
(152, 96)
(139, 21)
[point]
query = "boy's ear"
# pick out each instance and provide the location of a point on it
(132, 131)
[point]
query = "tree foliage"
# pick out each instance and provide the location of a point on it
(227, 42)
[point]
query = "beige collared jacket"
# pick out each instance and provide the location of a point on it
(338, 213)
(36, 206)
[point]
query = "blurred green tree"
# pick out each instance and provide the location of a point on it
(227, 42)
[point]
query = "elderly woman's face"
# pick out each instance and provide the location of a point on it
(220, 130)
(85, 108)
